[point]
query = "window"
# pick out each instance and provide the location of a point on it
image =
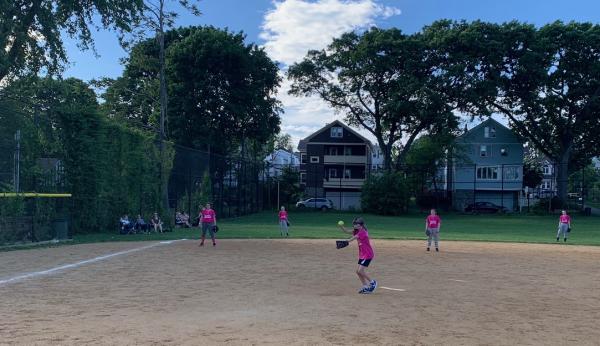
(348, 151)
(489, 132)
(483, 150)
(314, 159)
(511, 173)
(337, 132)
(545, 185)
(547, 169)
(333, 151)
(347, 174)
(332, 173)
(303, 158)
(302, 178)
(487, 173)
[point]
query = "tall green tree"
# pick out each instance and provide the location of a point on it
(546, 81)
(30, 31)
(223, 91)
(384, 82)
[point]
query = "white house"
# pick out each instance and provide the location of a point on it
(279, 159)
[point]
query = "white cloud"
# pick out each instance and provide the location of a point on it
(292, 28)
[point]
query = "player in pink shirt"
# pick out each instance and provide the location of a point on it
(564, 225)
(283, 222)
(365, 254)
(432, 229)
(208, 222)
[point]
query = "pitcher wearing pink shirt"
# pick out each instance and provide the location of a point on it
(432, 229)
(283, 222)
(208, 220)
(365, 254)
(564, 226)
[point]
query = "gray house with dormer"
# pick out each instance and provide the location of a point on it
(486, 166)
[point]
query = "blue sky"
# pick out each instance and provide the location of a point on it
(287, 28)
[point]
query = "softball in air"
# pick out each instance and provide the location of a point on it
(340, 223)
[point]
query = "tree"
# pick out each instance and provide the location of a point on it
(532, 174)
(384, 82)
(30, 33)
(284, 141)
(223, 91)
(546, 81)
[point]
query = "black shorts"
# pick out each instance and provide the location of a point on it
(364, 262)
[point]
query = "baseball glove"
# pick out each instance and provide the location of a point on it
(341, 244)
(288, 223)
(569, 230)
(215, 228)
(428, 233)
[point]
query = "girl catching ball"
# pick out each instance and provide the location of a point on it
(365, 254)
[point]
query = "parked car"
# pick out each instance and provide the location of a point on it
(317, 203)
(485, 207)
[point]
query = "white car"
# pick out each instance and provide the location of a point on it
(316, 203)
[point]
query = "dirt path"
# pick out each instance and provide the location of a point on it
(303, 292)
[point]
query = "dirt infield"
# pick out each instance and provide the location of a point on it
(302, 292)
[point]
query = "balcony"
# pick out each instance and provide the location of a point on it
(343, 183)
(345, 159)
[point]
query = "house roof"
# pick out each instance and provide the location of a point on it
(486, 122)
(303, 142)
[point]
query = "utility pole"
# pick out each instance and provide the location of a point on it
(17, 164)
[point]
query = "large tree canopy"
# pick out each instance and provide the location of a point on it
(221, 89)
(546, 81)
(30, 31)
(384, 82)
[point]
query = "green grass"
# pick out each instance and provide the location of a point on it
(313, 225)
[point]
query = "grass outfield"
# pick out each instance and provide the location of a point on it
(494, 228)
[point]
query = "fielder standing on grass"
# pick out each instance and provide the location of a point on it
(284, 223)
(564, 226)
(432, 229)
(208, 220)
(365, 254)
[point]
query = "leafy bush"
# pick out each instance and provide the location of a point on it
(386, 194)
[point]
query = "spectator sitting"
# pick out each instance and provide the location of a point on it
(178, 219)
(125, 224)
(185, 218)
(156, 223)
(141, 225)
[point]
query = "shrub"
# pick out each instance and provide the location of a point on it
(385, 194)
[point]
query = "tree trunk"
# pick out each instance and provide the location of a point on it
(386, 151)
(562, 174)
(163, 108)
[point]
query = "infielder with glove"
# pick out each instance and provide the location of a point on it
(564, 226)
(432, 229)
(208, 222)
(365, 253)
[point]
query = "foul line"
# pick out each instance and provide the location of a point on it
(392, 289)
(457, 280)
(78, 264)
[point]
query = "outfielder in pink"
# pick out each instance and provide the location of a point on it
(432, 229)
(564, 226)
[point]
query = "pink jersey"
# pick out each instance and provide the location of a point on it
(283, 215)
(565, 219)
(365, 251)
(208, 216)
(433, 221)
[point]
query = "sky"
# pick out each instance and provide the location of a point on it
(287, 29)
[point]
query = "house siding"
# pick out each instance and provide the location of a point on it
(496, 177)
